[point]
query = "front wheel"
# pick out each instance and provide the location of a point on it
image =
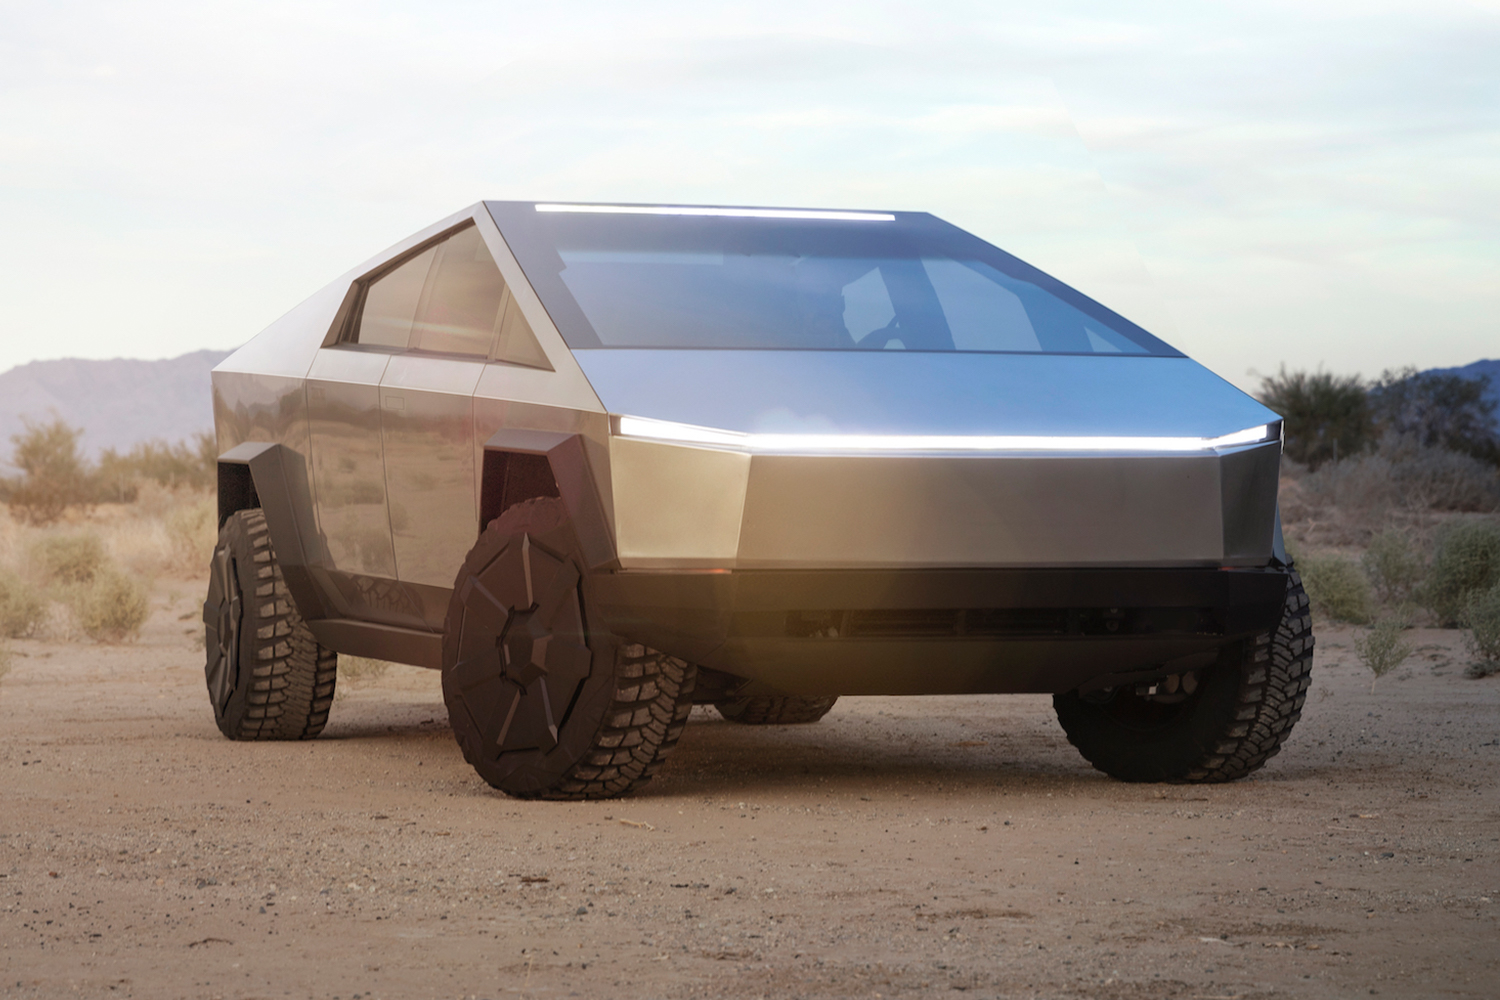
(1214, 724)
(542, 706)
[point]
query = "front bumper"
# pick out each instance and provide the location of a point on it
(947, 631)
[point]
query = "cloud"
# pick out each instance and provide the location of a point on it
(1260, 183)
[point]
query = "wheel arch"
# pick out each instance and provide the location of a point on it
(522, 465)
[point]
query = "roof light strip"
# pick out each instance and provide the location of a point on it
(661, 430)
(733, 213)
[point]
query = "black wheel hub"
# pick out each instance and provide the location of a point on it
(522, 653)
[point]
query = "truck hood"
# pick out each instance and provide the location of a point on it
(915, 393)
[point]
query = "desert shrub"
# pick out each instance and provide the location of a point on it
(1382, 649)
(1338, 589)
(1466, 562)
(21, 607)
(193, 529)
(1393, 565)
(1482, 616)
(70, 559)
(1327, 416)
(111, 607)
(1439, 411)
(1403, 473)
(53, 474)
(193, 464)
(6, 656)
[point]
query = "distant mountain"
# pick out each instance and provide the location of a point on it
(1474, 370)
(118, 403)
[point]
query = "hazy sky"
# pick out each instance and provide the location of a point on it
(1258, 183)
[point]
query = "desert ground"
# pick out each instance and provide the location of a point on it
(899, 848)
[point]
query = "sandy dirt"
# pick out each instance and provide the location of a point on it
(900, 848)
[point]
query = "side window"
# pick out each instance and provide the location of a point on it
(451, 299)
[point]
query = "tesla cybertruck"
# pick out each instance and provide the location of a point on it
(600, 463)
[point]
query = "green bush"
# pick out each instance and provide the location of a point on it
(1393, 565)
(111, 607)
(1327, 416)
(1339, 591)
(1467, 561)
(1382, 649)
(21, 607)
(71, 559)
(1482, 615)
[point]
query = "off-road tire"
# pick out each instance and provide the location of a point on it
(594, 716)
(1242, 711)
(773, 710)
(268, 677)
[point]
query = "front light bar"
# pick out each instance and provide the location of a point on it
(664, 430)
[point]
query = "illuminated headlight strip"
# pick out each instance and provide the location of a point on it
(732, 213)
(662, 430)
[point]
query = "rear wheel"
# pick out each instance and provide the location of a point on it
(770, 710)
(542, 705)
(1214, 724)
(268, 678)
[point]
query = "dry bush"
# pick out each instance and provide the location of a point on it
(70, 558)
(1337, 588)
(22, 608)
(1404, 475)
(1482, 616)
(111, 607)
(1467, 561)
(6, 656)
(165, 531)
(1394, 566)
(191, 464)
(1382, 649)
(53, 474)
(193, 527)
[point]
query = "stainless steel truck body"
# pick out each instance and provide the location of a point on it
(766, 456)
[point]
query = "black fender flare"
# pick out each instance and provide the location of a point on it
(508, 479)
(274, 478)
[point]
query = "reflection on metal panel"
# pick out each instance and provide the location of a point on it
(1249, 478)
(249, 407)
(949, 511)
(343, 403)
(427, 420)
(682, 504)
(905, 392)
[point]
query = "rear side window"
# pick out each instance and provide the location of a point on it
(448, 299)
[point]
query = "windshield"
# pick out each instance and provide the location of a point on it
(844, 281)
